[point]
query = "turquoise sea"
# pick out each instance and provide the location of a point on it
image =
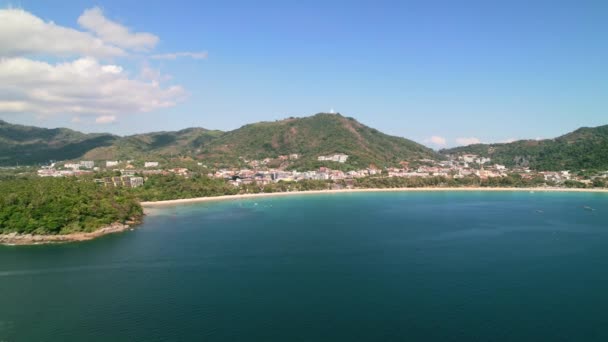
(436, 266)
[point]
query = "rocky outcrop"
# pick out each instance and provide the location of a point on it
(33, 239)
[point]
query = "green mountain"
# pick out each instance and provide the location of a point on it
(310, 137)
(314, 136)
(186, 142)
(31, 145)
(585, 148)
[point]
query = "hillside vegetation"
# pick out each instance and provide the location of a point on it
(585, 148)
(310, 137)
(31, 145)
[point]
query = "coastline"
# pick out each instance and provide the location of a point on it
(152, 204)
(14, 239)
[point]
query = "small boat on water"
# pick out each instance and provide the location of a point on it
(539, 211)
(588, 208)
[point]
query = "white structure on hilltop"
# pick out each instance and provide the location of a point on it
(150, 164)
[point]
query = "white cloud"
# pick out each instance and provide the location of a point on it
(175, 55)
(436, 140)
(105, 119)
(109, 31)
(83, 86)
(468, 141)
(507, 141)
(22, 33)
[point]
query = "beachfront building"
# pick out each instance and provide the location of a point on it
(151, 164)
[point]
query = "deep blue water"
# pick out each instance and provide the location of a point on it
(440, 266)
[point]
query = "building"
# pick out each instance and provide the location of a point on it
(339, 158)
(110, 163)
(87, 164)
(72, 166)
(124, 181)
(151, 164)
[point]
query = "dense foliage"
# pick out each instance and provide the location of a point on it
(585, 148)
(62, 205)
(160, 188)
(514, 180)
(310, 137)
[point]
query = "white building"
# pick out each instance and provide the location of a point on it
(468, 158)
(87, 164)
(72, 166)
(151, 164)
(339, 158)
(136, 181)
(110, 163)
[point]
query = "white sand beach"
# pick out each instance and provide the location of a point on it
(148, 205)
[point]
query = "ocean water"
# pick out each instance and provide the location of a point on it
(437, 266)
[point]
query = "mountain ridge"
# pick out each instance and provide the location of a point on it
(310, 137)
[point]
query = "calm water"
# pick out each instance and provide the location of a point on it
(341, 267)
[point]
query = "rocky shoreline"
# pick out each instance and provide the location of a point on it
(32, 239)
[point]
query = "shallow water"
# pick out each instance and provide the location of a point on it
(437, 266)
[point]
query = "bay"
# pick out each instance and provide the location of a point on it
(415, 266)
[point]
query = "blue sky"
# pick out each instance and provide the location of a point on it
(458, 71)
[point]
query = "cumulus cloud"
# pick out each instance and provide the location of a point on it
(22, 33)
(114, 33)
(83, 86)
(176, 55)
(105, 119)
(468, 141)
(80, 84)
(436, 140)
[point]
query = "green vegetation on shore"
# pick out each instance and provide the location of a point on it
(62, 206)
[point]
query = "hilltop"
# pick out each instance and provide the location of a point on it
(314, 136)
(584, 148)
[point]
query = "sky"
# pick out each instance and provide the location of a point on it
(442, 73)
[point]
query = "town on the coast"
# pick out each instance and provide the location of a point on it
(133, 173)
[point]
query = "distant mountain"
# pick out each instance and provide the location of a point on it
(310, 137)
(314, 136)
(31, 145)
(585, 148)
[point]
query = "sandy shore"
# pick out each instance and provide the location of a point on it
(148, 205)
(31, 239)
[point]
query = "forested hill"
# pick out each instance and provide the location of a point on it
(31, 145)
(585, 148)
(310, 137)
(317, 135)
